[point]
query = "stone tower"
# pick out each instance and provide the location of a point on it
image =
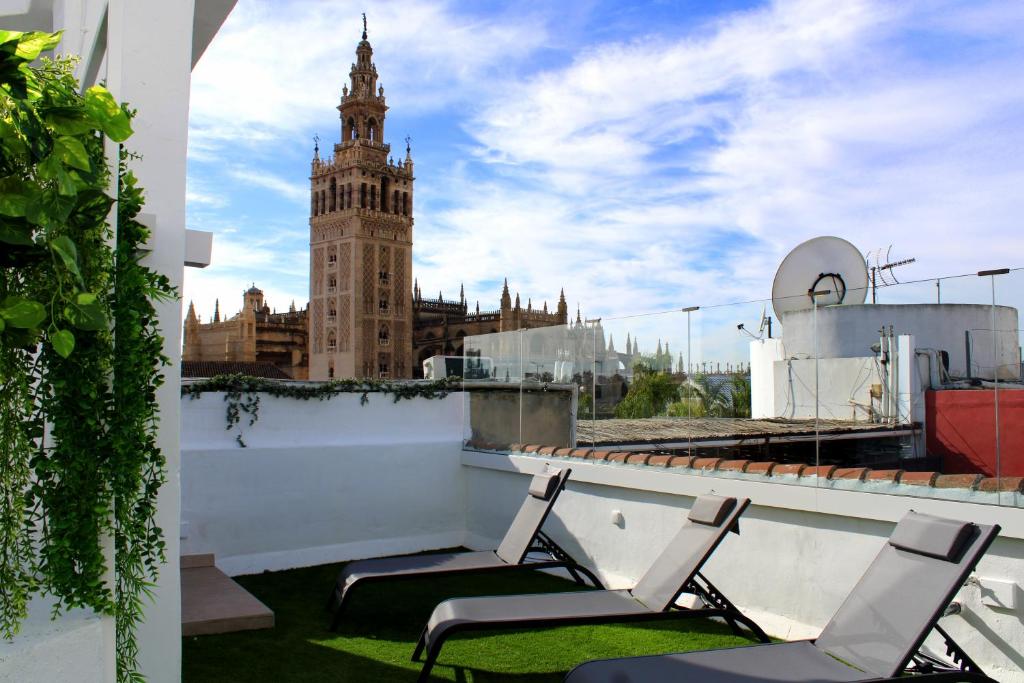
(360, 236)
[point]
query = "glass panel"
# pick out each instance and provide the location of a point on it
(492, 371)
(1008, 390)
(553, 363)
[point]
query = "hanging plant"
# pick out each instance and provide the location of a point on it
(80, 351)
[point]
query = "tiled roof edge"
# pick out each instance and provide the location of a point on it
(753, 470)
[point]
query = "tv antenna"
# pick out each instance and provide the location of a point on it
(882, 270)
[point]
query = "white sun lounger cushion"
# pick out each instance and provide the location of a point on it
(931, 536)
(711, 510)
(543, 485)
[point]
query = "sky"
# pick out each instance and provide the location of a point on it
(644, 156)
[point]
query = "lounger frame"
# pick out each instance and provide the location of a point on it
(552, 556)
(714, 602)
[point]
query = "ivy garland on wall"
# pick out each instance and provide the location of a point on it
(242, 393)
(80, 352)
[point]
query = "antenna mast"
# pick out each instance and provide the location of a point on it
(883, 271)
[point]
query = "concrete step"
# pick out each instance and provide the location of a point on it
(192, 561)
(212, 603)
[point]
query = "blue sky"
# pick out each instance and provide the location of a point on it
(644, 156)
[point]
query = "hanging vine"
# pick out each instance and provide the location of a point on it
(242, 393)
(80, 352)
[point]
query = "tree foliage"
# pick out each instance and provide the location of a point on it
(649, 393)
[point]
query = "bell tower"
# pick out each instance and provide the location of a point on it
(360, 241)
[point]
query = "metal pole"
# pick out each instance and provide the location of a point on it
(995, 369)
(817, 437)
(689, 378)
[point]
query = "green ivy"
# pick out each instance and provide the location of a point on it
(80, 352)
(242, 393)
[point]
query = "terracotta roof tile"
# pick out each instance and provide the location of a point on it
(919, 478)
(857, 473)
(993, 484)
(883, 475)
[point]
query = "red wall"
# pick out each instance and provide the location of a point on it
(961, 428)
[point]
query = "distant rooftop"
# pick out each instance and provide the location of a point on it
(212, 368)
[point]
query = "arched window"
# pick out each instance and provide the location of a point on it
(332, 283)
(334, 195)
(362, 196)
(382, 303)
(383, 193)
(405, 203)
(332, 341)
(352, 133)
(332, 314)
(384, 335)
(373, 197)
(312, 204)
(323, 201)
(372, 129)
(395, 206)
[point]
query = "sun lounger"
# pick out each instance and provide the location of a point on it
(676, 571)
(876, 634)
(520, 548)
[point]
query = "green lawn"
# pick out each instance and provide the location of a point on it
(384, 620)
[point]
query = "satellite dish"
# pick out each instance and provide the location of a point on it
(822, 263)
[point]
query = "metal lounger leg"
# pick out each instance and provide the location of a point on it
(419, 645)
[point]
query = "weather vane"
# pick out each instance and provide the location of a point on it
(316, 143)
(364, 25)
(407, 141)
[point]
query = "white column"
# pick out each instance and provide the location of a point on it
(149, 65)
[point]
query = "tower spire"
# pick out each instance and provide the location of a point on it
(216, 310)
(364, 25)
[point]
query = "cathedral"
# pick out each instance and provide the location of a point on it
(366, 318)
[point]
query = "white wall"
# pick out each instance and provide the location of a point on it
(849, 331)
(763, 354)
(800, 550)
(840, 381)
(321, 481)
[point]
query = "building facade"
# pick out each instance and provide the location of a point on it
(254, 335)
(360, 242)
(440, 325)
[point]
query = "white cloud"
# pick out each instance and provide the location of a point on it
(276, 68)
(288, 189)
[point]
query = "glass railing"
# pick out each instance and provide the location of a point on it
(917, 391)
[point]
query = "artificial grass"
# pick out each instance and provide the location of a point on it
(384, 619)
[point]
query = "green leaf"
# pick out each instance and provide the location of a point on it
(48, 208)
(2, 323)
(30, 45)
(69, 120)
(53, 169)
(106, 114)
(72, 152)
(13, 201)
(63, 342)
(12, 233)
(86, 313)
(21, 312)
(68, 253)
